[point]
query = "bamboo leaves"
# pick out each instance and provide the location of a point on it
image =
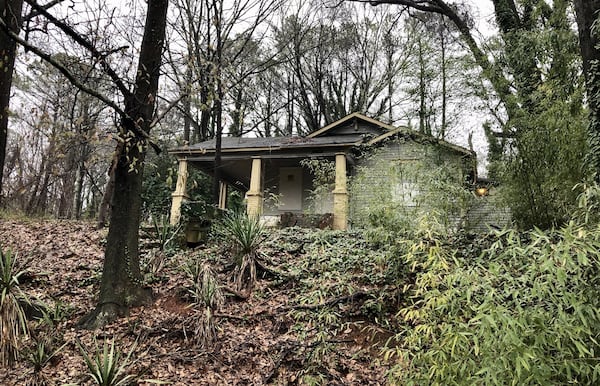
(522, 312)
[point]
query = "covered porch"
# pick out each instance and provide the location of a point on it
(270, 174)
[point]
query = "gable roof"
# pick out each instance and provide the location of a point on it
(348, 119)
(404, 131)
(352, 130)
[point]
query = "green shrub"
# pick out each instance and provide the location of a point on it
(525, 311)
(245, 233)
(107, 366)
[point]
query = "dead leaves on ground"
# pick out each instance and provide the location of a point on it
(257, 343)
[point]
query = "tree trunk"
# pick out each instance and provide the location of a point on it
(587, 13)
(121, 285)
(10, 12)
(443, 65)
(422, 91)
(105, 205)
(218, 107)
(187, 103)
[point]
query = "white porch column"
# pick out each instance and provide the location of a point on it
(180, 194)
(340, 194)
(222, 195)
(255, 194)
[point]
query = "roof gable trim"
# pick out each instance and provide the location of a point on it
(347, 118)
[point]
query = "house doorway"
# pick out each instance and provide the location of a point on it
(290, 189)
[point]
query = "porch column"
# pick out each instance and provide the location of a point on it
(222, 195)
(180, 193)
(340, 194)
(255, 194)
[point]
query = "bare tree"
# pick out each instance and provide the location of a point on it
(121, 286)
(10, 14)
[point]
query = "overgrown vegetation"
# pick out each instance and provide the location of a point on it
(511, 308)
(244, 233)
(421, 306)
(430, 187)
(323, 172)
(13, 323)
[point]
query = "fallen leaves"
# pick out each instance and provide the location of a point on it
(258, 342)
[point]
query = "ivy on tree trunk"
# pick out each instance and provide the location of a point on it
(588, 13)
(121, 285)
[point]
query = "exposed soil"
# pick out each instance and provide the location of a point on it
(260, 340)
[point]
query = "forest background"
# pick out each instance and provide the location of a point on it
(284, 70)
(100, 90)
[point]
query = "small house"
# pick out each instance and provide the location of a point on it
(278, 177)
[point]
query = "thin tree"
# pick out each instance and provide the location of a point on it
(10, 14)
(588, 14)
(121, 286)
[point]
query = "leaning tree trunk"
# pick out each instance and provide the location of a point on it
(589, 38)
(10, 12)
(121, 286)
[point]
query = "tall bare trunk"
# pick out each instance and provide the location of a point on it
(10, 12)
(121, 286)
(587, 15)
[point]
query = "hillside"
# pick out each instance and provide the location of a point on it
(310, 318)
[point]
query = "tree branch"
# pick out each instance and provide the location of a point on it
(61, 68)
(84, 43)
(33, 14)
(171, 106)
(75, 82)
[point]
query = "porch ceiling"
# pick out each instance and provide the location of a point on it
(236, 170)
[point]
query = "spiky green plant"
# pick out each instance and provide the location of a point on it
(56, 313)
(39, 356)
(108, 366)
(164, 232)
(245, 233)
(205, 288)
(208, 296)
(13, 323)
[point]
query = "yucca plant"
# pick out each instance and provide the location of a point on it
(165, 232)
(208, 296)
(39, 356)
(108, 366)
(13, 323)
(245, 233)
(205, 288)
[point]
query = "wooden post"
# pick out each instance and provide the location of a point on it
(255, 194)
(222, 195)
(180, 194)
(340, 194)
